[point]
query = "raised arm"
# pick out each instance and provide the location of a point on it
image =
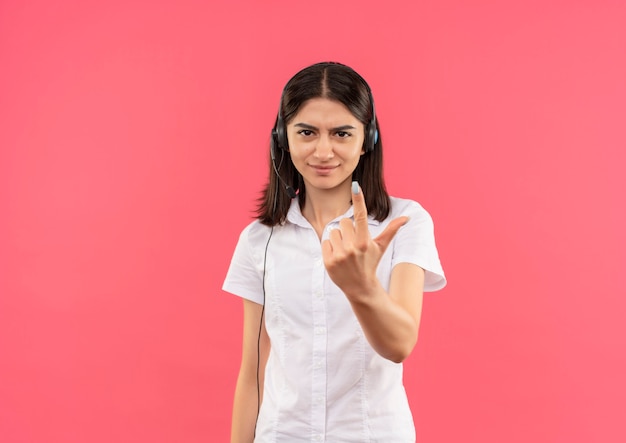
(390, 320)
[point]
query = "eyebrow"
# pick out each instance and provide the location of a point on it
(311, 127)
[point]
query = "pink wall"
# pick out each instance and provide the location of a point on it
(132, 148)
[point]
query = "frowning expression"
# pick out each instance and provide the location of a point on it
(326, 143)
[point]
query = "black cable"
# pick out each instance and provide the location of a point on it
(258, 343)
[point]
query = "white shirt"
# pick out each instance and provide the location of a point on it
(323, 380)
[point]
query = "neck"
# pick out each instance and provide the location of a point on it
(322, 206)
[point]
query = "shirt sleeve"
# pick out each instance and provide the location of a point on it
(245, 274)
(415, 243)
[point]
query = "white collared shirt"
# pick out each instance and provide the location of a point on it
(323, 380)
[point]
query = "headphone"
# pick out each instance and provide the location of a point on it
(279, 133)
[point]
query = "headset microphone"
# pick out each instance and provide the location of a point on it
(290, 191)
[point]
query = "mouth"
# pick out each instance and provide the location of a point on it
(323, 170)
(324, 167)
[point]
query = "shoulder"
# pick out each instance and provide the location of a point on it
(411, 208)
(415, 242)
(254, 234)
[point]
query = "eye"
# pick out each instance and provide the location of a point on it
(343, 134)
(305, 132)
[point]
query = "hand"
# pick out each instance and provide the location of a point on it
(350, 254)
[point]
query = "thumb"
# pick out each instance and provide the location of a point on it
(385, 237)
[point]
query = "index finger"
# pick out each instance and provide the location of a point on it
(360, 215)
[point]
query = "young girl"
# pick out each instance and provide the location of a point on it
(331, 275)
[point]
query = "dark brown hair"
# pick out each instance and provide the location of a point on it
(336, 82)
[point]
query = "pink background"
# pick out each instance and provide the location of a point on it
(133, 144)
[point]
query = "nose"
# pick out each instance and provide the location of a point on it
(324, 148)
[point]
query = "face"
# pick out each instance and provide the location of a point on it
(326, 143)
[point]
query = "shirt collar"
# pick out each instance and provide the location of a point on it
(294, 215)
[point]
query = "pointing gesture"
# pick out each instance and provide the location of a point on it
(350, 254)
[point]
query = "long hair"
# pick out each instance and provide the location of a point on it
(333, 81)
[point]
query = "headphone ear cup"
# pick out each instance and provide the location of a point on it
(274, 137)
(372, 138)
(372, 130)
(280, 135)
(274, 144)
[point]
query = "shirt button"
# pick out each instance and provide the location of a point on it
(319, 330)
(317, 437)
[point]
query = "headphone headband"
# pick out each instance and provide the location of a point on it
(279, 133)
